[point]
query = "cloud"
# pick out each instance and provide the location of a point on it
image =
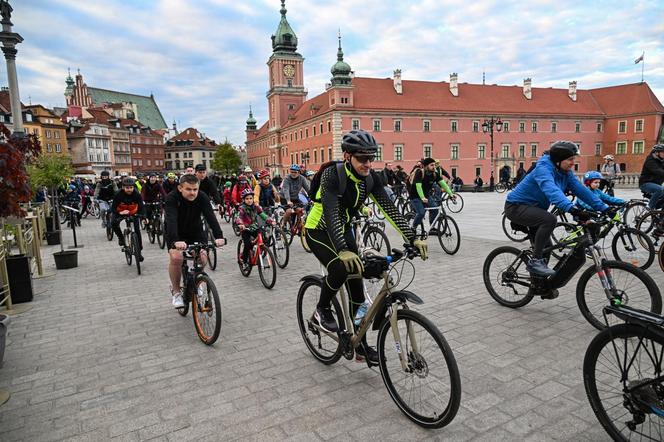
(205, 60)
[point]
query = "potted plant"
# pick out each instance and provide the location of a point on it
(51, 171)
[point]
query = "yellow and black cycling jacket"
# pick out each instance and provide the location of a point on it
(333, 212)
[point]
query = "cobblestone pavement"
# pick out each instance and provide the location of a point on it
(103, 355)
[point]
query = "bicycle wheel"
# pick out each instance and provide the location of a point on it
(109, 230)
(151, 234)
(136, 250)
(448, 234)
(377, 212)
(377, 240)
(206, 310)
(236, 228)
(128, 250)
(634, 211)
(227, 215)
(633, 246)
(212, 252)
(246, 271)
(280, 248)
(622, 375)
(325, 347)
(428, 392)
(500, 187)
(649, 220)
(661, 257)
(506, 278)
(633, 285)
(455, 205)
(560, 233)
(161, 239)
(514, 235)
(267, 270)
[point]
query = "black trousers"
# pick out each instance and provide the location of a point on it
(115, 224)
(322, 247)
(247, 238)
(540, 223)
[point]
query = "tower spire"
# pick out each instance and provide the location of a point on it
(284, 40)
(340, 70)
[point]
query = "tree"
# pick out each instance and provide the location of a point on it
(226, 159)
(15, 155)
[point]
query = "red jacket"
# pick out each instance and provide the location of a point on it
(237, 191)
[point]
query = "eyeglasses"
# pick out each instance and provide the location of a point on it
(365, 158)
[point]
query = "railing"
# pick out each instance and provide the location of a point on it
(5, 292)
(624, 181)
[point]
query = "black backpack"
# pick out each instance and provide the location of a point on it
(341, 174)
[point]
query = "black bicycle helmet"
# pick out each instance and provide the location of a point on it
(128, 182)
(658, 148)
(359, 141)
(562, 150)
(105, 173)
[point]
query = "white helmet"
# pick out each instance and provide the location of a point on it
(608, 157)
(247, 169)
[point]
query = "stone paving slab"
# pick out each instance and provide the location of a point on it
(103, 356)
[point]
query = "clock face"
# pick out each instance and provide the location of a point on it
(289, 71)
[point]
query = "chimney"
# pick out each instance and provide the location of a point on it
(397, 81)
(572, 90)
(527, 88)
(454, 84)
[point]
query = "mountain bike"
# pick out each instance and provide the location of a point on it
(503, 186)
(623, 375)
(511, 285)
(212, 250)
(276, 239)
(155, 226)
(454, 203)
(370, 233)
(132, 248)
(651, 222)
(635, 209)
(518, 233)
(416, 363)
(442, 226)
(260, 256)
(200, 291)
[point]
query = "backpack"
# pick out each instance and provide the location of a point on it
(341, 174)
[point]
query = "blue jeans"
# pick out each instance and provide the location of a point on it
(656, 192)
(418, 205)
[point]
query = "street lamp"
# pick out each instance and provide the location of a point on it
(487, 127)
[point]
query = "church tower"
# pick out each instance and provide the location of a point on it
(286, 74)
(340, 89)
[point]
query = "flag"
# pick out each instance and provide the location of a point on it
(640, 59)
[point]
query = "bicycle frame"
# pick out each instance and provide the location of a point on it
(258, 242)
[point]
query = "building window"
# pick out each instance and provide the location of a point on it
(534, 126)
(306, 133)
(453, 171)
(454, 152)
(505, 151)
(48, 132)
(397, 125)
(454, 125)
(621, 148)
(426, 125)
(427, 150)
(321, 128)
(598, 149)
(638, 126)
(600, 128)
(637, 147)
(533, 150)
(150, 162)
(300, 134)
(522, 150)
(58, 147)
(313, 130)
(379, 153)
(329, 154)
(177, 155)
(577, 127)
(478, 171)
(48, 147)
(202, 154)
(506, 126)
(355, 124)
(481, 151)
(622, 127)
(376, 125)
(329, 125)
(398, 152)
(476, 126)
(56, 134)
(315, 156)
(344, 100)
(322, 154)
(522, 126)
(554, 127)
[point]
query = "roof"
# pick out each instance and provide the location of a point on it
(5, 102)
(190, 137)
(147, 109)
(309, 109)
(627, 99)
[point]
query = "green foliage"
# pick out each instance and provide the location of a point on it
(51, 171)
(226, 158)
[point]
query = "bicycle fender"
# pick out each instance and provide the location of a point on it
(405, 295)
(315, 278)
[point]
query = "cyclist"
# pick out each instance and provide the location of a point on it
(527, 204)
(251, 179)
(591, 180)
(293, 184)
(239, 187)
(207, 185)
(184, 225)
(152, 192)
(127, 202)
(227, 196)
(652, 176)
(328, 230)
(170, 183)
(247, 220)
(610, 171)
(72, 198)
(105, 190)
(420, 192)
(265, 192)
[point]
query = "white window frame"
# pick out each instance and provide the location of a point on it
(399, 123)
(598, 149)
(424, 126)
(454, 126)
(481, 151)
(502, 150)
(425, 147)
(640, 151)
(577, 127)
(398, 152)
(522, 150)
(506, 126)
(454, 151)
(534, 126)
(533, 150)
(522, 126)
(376, 125)
(554, 127)
(355, 124)
(622, 123)
(476, 126)
(379, 153)
(636, 125)
(618, 144)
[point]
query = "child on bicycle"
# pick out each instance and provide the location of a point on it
(227, 195)
(247, 220)
(592, 180)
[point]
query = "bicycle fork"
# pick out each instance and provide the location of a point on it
(405, 361)
(605, 277)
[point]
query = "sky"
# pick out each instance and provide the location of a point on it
(205, 60)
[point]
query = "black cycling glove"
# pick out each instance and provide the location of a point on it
(579, 213)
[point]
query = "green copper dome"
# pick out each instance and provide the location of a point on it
(69, 90)
(251, 121)
(284, 40)
(340, 70)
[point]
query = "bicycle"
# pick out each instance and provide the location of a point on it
(212, 251)
(155, 225)
(517, 233)
(261, 256)
(421, 374)
(276, 239)
(635, 209)
(622, 375)
(443, 226)
(503, 186)
(651, 222)
(132, 247)
(454, 203)
(227, 214)
(503, 283)
(370, 233)
(200, 291)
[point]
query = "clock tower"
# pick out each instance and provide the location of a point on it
(286, 74)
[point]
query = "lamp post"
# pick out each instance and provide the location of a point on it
(9, 41)
(488, 127)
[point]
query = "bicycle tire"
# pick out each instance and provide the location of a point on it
(661, 256)
(455, 205)
(227, 215)
(592, 306)
(211, 308)
(377, 212)
(266, 268)
(608, 352)
(559, 233)
(500, 187)
(212, 252)
(245, 272)
(626, 245)
(151, 235)
(633, 212)
(236, 227)
(109, 231)
(377, 240)
(513, 235)
(322, 346)
(512, 274)
(447, 231)
(136, 250)
(303, 241)
(128, 248)
(161, 239)
(421, 376)
(280, 248)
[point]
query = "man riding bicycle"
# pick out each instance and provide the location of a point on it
(328, 229)
(105, 190)
(170, 183)
(184, 226)
(528, 203)
(128, 202)
(208, 186)
(293, 184)
(650, 182)
(152, 192)
(420, 192)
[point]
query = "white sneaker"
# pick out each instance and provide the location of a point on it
(177, 300)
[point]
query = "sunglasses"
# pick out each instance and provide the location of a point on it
(365, 158)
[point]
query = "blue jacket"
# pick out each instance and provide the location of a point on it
(608, 199)
(547, 185)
